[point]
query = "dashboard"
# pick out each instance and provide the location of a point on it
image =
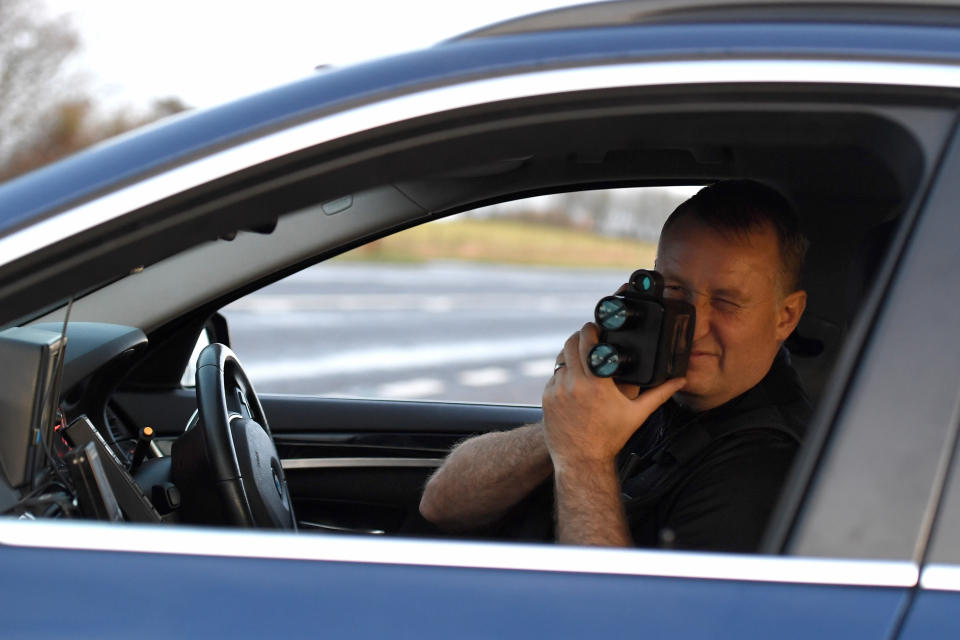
(73, 456)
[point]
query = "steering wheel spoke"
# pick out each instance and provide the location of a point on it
(230, 454)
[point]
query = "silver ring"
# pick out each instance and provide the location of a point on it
(557, 366)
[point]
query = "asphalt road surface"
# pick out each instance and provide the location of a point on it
(446, 331)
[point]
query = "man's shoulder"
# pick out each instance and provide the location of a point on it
(782, 385)
(777, 403)
(773, 413)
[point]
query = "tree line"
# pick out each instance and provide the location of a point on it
(46, 112)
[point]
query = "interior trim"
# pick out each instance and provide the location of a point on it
(365, 463)
(436, 100)
(232, 543)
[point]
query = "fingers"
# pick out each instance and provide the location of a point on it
(648, 401)
(586, 340)
(571, 355)
(573, 358)
(631, 391)
(559, 362)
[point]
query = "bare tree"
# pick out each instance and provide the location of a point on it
(33, 50)
(71, 125)
(46, 113)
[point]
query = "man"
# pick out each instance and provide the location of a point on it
(705, 466)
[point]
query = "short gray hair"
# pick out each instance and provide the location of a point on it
(739, 207)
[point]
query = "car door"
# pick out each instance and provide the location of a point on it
(855, 567)
(851, 533)
(844, 557)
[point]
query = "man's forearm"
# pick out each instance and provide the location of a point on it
(485, 476)
(587, 421)
(589, 508)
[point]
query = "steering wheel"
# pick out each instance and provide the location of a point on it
(240, 452)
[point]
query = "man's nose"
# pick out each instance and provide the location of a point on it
(701, 326)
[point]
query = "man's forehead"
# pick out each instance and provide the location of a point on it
(697, 251)
(720, 276)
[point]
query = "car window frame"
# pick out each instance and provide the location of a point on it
(837, 445)
(939, 553)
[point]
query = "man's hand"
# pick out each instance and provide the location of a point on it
(587, 418)
(587, 421)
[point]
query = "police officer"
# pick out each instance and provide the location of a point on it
(696, 462)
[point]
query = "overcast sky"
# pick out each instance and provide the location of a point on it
(210, 51)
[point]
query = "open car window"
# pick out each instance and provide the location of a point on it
(474, 307)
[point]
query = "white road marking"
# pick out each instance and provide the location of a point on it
(285, 303)
(271, 303)
(415, 388)
(538, 368)
(489, 377)
(390, 358)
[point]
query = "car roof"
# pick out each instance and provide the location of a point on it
(634, 12)
(183, 138)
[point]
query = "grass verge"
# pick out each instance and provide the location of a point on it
(506, 241)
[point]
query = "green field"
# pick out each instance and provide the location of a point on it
(506, 241)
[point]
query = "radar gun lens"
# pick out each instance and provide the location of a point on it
(603, 360)
(611, 313)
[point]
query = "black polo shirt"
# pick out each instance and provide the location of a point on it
(710, 480)
(705, 481)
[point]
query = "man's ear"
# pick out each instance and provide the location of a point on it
(791, 309)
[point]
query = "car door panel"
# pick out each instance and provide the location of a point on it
(360, 465)
(288, 597)
(933, 614)
(168, 412)
(352, 465)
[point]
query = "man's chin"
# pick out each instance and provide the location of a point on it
(698, 382)
(694, 392)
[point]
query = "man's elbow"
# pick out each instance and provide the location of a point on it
(428, 506)
(431, 507)
(437, 511)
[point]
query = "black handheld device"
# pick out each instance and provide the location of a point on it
(644, 338)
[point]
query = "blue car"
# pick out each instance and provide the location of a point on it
(144, 493)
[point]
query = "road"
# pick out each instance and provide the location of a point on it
(446, 331)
